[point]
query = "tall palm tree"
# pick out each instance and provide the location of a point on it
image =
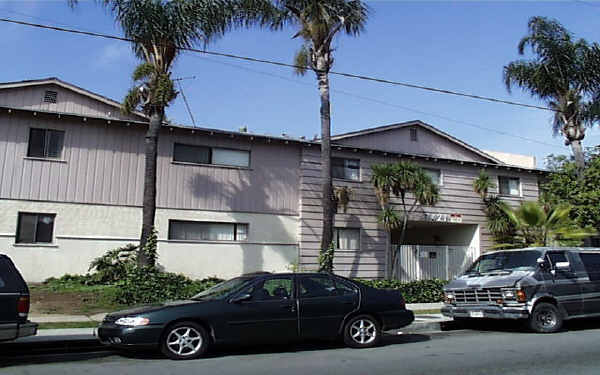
(318, 22)
(159, 28)
(412, 185)
(564, 74)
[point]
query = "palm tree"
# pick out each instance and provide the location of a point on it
(318, 22)
(159, 28)
(544, 224)
(564, 74)
(412, 185)
(482, 184)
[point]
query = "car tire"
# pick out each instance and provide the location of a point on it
(184, 340)
(545, 318)
(362, 331)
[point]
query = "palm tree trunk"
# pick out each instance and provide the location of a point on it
(400, 243)
(149, 200)
(579, 158)
(327, 186)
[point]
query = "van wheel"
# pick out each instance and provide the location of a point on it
(545, 318)
(362, 332)
(184, 340)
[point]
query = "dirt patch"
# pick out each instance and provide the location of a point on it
(44, 301)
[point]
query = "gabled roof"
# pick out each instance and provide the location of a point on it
(379, 129)
(68, 86)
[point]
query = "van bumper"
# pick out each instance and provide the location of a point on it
(486, 311)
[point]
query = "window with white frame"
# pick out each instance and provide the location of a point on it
(509, 186)
(347, 238)
(207, 231)
(45, 143)
(435, 175)
(347, 169)
(210, 155)
(35, 228)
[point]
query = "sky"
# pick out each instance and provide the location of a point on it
(454, 45)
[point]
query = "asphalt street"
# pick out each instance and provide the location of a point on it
(478, 350)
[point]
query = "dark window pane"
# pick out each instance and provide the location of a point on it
(348, 169)
(345, 288)
(55, 143)
(509, 186)
(591, 262)
(27, 227)
(44, 228)
(191, 154)
(37, 143)
(316, 286)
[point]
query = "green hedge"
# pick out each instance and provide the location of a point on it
(148, 285)
(425, 291)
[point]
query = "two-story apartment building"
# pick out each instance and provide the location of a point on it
(71, 175)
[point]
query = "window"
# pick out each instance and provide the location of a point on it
(45, 143)
(207, 231)
(435, 175)
(591, 262)
(509, 186)
(50, 96)
(317, 286)
(348, 169)
(344, 287)
(35, 228)
(347, 238)
(278, 288)
(413, 134)
(210, 155)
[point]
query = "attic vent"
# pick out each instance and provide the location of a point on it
(413, 134)
(50, 96)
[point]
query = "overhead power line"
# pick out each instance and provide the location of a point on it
(278, 63)
(378, 101)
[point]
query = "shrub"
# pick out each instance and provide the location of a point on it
(424, 291)
(112, 266)
(149, 285)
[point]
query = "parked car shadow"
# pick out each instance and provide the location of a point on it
(241, 350)
(38, 359)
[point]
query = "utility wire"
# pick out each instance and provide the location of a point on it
(366, 98)
(187, 106)
(278, 63)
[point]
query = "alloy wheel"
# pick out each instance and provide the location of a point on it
(184, 341)
(363, 331)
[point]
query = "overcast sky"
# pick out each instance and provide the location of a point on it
(451, 45)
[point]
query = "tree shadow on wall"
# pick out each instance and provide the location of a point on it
(240, 197)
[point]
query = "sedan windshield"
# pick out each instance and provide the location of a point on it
(506, 261)
(222, 290)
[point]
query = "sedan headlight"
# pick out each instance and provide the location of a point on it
(133, 321)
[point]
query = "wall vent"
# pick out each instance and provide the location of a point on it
(413, 134)
(50, 96)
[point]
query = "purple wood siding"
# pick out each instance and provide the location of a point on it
(103, 163)
(428, 143)
(457, 196)
(68, 101)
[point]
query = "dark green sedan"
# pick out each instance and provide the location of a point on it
(261, 308)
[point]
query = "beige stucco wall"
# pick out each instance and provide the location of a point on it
(83, 232)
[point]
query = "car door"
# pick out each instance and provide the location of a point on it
(591, 285)
(9, 296)
(324, 302)
(563, 284)
(270, 313)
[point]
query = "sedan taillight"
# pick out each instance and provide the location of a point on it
(23, 306)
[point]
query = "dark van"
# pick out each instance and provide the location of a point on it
(543, 286)
(14, 303)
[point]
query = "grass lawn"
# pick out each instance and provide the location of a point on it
(430, 311)
(72, 299)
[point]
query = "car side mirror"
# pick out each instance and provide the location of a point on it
(542, 263)
(240, 298)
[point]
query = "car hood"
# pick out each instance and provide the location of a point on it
(491, 280)
(144, 309)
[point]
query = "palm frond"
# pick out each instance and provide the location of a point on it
(131, 101)
(302, 60)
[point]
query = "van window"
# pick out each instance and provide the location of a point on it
(591, 262)
(557, 257)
